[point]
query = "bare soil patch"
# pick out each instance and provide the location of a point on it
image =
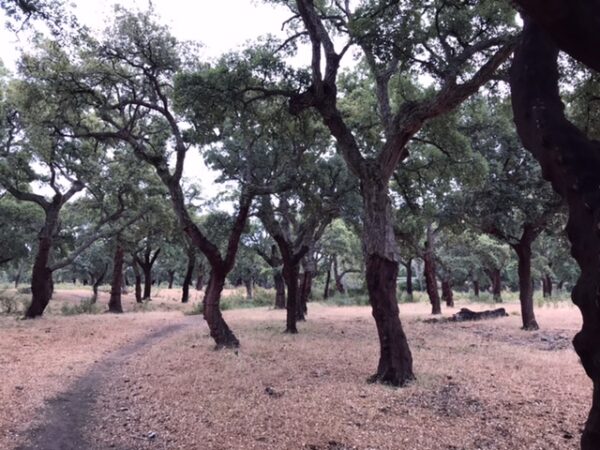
(481, 385)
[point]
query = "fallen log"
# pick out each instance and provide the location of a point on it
(466, 314)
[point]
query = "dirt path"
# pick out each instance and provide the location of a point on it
(70, 411)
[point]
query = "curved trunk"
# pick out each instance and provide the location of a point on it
(187, 280)
(42, 285)
(219, 330)
(523, 251)
(279, 289)
(395, 358)
(116, 285)
(570, 162)
(447, 295)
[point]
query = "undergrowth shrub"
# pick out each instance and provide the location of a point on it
(84, 307)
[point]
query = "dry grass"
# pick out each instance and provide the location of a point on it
(485, 385)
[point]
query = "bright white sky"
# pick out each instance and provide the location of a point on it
(219, 25)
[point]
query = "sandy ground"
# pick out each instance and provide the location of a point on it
(484, 385)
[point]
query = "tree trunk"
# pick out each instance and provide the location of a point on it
(18, 275)
(42, 286)
(200, 279)
(447, 295)
(476, 288)
(138, 282)
(187, 280)
(114, 303)
(249, 285)
(291, 272)
(279, 289)
(430, 269)
(147, 283)
(395, 358)
(338, 278)
(96, 282)
(327, 281)
(548, 285)
(219, 330)
(409, 285)
(496, 284)
(523, 250)
(570, 162)
(171, 278)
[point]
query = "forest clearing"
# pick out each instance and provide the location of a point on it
(300, 224)
(480, 385)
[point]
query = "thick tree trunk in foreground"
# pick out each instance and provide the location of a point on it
(395, 358)
(219, 330)
(114, 303)
(42, 286)
(571, 162)
(447, 295)
(187, 280)
(523, 250)
(279, 289)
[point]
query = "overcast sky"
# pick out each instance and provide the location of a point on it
(219, 25)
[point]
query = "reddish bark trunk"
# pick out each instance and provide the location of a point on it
(114, 303)
(395, 358)
(219, 330)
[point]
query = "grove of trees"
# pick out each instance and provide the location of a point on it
(386, 162)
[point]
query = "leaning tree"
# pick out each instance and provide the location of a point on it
(569, 159)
